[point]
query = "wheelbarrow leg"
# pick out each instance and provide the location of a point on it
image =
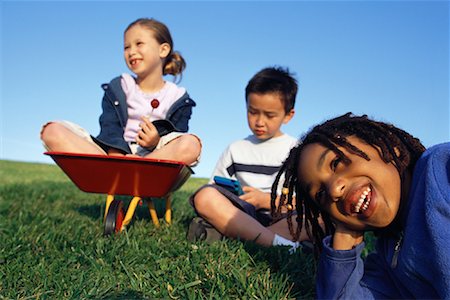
(153, 214)
(168, 214)
(109, 199)
(130, 211)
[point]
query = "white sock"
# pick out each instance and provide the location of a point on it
(281, 241)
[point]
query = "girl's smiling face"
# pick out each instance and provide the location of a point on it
(362, 194)
(142, 52)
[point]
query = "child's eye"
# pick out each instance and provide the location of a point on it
(335, 162)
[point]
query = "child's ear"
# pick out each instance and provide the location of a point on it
(164, 50)
(289, 116)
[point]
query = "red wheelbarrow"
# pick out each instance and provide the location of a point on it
(123, 175)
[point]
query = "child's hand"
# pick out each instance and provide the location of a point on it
(256, 197)
(148, 136)
(345, 238)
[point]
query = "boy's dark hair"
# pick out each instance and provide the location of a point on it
(274, 80)
(394, 144)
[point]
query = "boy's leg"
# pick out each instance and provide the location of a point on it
(57, 137)
(281, 228)
(216, 209)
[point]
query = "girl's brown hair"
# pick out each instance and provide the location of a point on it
(174, 63)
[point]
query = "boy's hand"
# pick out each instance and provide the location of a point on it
(148, 136)
(256, 197)
(345, 238)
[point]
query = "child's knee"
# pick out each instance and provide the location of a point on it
(189, 144)
(51, 131)
(203, 200)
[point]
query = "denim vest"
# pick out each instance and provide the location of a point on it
(115, 115)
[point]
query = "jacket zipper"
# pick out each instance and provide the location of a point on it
(398, 246)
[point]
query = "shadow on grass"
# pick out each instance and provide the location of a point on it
(92, 211)
(129, 294)
(142, 210)
(96, 211)
(300, 267)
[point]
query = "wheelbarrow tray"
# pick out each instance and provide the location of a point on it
(122, 175)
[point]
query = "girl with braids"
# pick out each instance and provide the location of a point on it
(362, 175)
(143, 115)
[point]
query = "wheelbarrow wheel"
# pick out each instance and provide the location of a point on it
(114, 217)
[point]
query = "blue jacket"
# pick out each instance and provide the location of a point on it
(420, 268)
(115, 115)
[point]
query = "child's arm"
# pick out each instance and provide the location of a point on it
(346, 239)
(255, 197)
(339, 274)
(260, 199)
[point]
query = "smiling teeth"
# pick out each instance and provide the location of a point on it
(361, 200)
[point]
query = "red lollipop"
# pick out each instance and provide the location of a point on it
(154, 103)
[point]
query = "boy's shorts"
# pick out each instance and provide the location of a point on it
(262, 216)
(135, 148)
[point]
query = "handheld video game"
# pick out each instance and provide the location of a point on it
(230, 184)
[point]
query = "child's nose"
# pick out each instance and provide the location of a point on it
(260, 120)
(131, 51)
(336, 188)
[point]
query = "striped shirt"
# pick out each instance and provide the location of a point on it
(254, 162)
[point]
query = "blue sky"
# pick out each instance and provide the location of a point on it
(387, 59)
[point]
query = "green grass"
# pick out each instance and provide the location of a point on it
(52, 247)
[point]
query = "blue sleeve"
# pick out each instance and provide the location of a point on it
(340, 272)
(181, 113)
(344, 274)
(182, 118)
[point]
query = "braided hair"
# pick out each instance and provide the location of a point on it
(394, 144)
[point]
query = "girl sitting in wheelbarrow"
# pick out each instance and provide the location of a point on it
(143, 115)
